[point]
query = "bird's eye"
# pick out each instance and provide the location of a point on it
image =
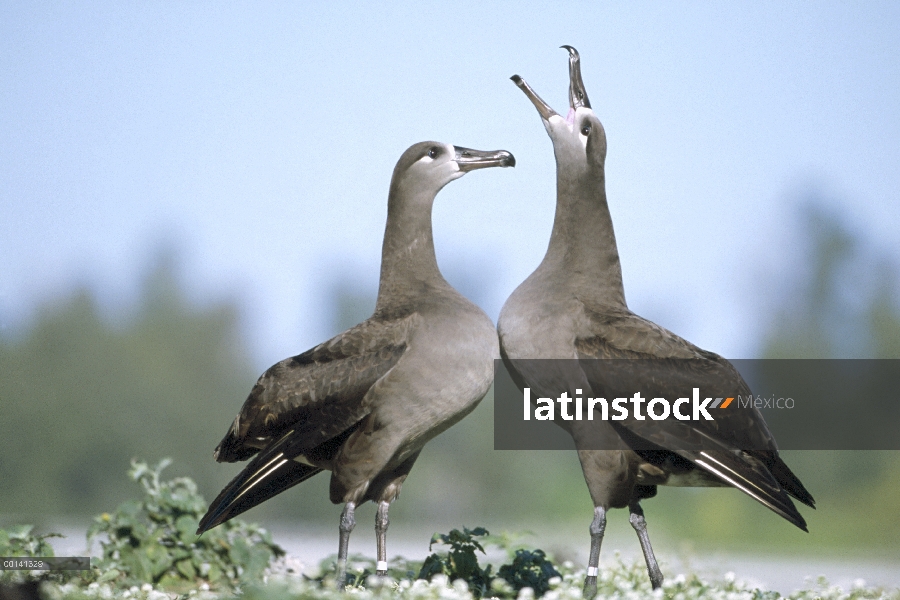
(586, 129)
(433, 153)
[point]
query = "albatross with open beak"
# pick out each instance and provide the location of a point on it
(573, 307)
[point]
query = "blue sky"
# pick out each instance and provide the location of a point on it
(258, 140)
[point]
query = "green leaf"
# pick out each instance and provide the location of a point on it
(465, 564)
(187, 528)
(20, 532)
(240, 552)
(129, 509)
(215, 574)
(109, 575)
(154, 539)
(186, 568)
(529, 569)
(431, 567)
(138, 567)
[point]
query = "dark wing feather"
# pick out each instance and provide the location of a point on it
(267, 475)
(661, 364)
(736, 447)
(317, 394)
(306, 405)
(790, 482)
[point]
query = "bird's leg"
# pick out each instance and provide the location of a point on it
(348, 522)
(640, 526)
(381, 525)
(598, 526)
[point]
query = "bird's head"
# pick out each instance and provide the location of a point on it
(579, 138)
(427, 167)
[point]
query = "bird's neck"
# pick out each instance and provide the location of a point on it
(583, 244)
(408, 263)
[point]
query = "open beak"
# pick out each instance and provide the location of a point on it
(577, 93)
(542, 107)
(469, 160)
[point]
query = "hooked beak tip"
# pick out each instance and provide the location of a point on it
(572, 51)
(470, 160)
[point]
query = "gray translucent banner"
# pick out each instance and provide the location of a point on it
(686, 404)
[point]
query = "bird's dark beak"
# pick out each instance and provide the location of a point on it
(577, 93)
(542, 107)
(469, 160)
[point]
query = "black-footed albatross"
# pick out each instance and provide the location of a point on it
(363, 404)
(573, 307)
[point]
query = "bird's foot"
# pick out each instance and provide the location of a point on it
(590, 587)
(656, 578)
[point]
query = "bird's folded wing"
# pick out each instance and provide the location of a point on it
(319, 394)
(736, 446)
(638, 355)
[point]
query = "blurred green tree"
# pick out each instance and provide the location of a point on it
(844, 304)
(81, 396)
(840, 303)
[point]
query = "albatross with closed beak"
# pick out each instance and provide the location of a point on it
(363, 404)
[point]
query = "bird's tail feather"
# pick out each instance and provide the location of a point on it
(790, 482)
(267, 475)
(753, 478)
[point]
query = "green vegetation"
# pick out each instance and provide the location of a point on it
(154, 540)
(529, 568)
(616, 581)
(151, 553)
(460, 562)
(19, 541)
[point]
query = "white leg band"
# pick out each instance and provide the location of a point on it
(381, 565)
(593, 571)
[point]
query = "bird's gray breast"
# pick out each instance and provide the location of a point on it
(538, 322)
(445, 373)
